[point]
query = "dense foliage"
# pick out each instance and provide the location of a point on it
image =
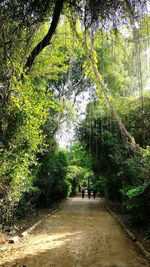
(46, 61)
(51, 179)
(121, 174)
(80, 167)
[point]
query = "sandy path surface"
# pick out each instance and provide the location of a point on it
(81, 234)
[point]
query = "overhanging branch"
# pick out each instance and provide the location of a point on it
(46, 40)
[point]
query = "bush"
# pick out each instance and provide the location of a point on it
(27, 203)
(136, 202)
(52, 181)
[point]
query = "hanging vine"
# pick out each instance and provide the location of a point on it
(101, 86)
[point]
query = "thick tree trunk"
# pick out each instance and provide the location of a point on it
(46, 40)
(127, 137)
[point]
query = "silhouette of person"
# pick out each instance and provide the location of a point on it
(89, 192)
(83, 191)
(94, 193)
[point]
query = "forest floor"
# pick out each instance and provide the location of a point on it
(82, 233)
(140, 230)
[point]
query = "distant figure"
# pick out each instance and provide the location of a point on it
(94, 193)
(89, 192)
(79, 188)
(83, 191)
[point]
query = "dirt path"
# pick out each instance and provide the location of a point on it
(81, 234)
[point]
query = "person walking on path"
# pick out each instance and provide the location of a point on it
(94, 193)
(83, 192)
(89, 192)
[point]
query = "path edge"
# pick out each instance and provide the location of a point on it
(52, 211)
(130, 234)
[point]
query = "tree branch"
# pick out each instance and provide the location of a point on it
(46, 40)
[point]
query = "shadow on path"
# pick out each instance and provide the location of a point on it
(81, 234)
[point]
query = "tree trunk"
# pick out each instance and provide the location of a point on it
(102, 90)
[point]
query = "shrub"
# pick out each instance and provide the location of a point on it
(136, 202)
(27, 203)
